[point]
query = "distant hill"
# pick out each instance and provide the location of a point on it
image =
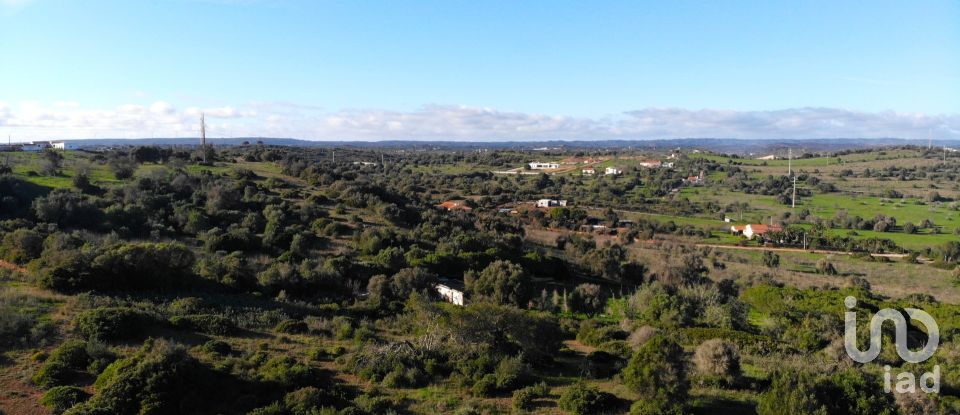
(722, 145)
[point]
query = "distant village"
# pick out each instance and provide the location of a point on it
(35, 146)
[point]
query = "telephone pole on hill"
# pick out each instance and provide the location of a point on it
(203, 137)
(789, 162)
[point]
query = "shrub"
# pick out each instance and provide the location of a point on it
(305, 401)
(824, 266)
(593, 333)
(204, 323)
(144, 266)
(640, 336)
(286, 371)
(523, 399)
(186, 305)
(511, 373)
(219, 347)
(374, 404)
(61, 398)
(581, 399)
(162, 378)
(771, 259)
(63, 365)
(21, 246)
(718, 359)
(791, 393)
(656, 372)
(291, 327)
(586, 298)
(486, 386)
(112, 323)
(601, 364)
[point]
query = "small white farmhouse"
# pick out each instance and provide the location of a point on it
(543, 166)
(451, 291)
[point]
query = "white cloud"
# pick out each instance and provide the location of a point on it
(162, 108)
(450, 122)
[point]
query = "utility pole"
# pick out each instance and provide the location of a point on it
(793, 204)
(789, 162)
(203, 137)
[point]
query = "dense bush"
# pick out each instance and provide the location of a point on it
(523, 399)
(291, 327)
(287, 371)
(581, 399)
(134, 266)
(718, 359)
(791, 393)
(586, 298)
(593, 333)
(21, 246)
(163, 378)
(64, 365)
(204, 323)
(61, 398)
(113, 323)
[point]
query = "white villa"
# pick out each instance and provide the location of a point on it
(451, 291)
(545, 203)
(543, 166)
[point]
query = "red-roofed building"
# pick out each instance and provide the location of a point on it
(455, 205)
(752, 230)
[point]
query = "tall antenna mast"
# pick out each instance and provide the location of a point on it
(789, 162)
(203, 137)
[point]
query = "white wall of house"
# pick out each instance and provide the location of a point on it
(449, 294)
(541, 166)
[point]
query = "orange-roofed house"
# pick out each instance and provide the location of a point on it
(456, 205)
(752, 230)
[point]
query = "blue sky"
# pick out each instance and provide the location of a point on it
(480, 70)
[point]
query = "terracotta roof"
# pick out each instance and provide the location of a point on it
(455, 205)
(757, 229)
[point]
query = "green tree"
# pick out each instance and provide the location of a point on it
(656, 372)
(771, 259)
(502, 282)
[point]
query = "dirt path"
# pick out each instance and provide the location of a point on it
(811, 251)
(17, 396)
(579, 347)
(544, 236)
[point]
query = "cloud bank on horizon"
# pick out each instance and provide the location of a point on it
(33, 120)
